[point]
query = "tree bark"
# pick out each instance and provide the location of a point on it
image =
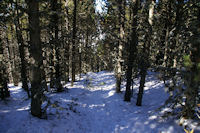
(56, 42)
(73, 65)
(120, 47)
(21, 46)
(145, 55)
(4, 92)
(36, 60)
(80, 62)
(179, 15)
(67, 47)
(15, 63)
(132, 51)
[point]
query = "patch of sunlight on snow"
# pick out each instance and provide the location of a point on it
(170, 129)
(152, 117)
(153, 126)
(98, 105)
(4, 111)
(110, 93)
(65, 100)
(17, 88)
(150, 83)
(119, 128)
(122, 128)
(23, 108)
(166, 110)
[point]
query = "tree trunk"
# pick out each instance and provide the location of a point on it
(15, 63)
(168, 24)
(179, 15)
(132, 51)
(86, 57)
(52, 66)
(67, 47)
(8, 56)
(145, 55)
(36, 60)
(21, 52)
(55, 18)
(73, 65)
(4, 92)
(120, 47)
(166, 46)
(80, 62)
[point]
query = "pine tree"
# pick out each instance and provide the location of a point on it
(56, 42)
(21, 46)
(4, 92)
(73, 52)
(121, 45)
(132, 49)
(192, 63)
(144, 64)
(36, 60)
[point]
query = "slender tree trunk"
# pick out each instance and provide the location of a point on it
(168, 23)
(179, 15)
(120, 47)
(67, 48)
(8, 54)
(52, 66)
(98, 63)
(74, 43)
(57, 45)
(86, 57)
(132, 51)
(4, 92)
(36, 60)
(67, 73)
(15, 65)
(20, 41)
(166, 46)
(145, 57)
(80, 62)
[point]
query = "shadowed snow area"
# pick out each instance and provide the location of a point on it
(90, 106)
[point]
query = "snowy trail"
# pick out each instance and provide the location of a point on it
(91, 106)
(109, 113)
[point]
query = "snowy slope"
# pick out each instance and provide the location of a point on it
(90, 106)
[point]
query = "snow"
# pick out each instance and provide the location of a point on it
(90, 106)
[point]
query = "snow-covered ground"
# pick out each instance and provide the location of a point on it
(90, 106)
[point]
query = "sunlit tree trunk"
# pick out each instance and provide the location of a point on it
(121, 45)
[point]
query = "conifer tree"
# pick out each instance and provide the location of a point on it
(36, 60)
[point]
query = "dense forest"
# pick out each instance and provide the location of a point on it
(45, 44)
